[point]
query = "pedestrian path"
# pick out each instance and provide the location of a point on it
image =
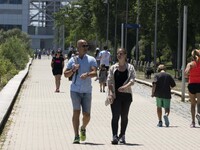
(41, 120)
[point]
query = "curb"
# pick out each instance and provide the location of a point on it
(9, 94)
(178, 93)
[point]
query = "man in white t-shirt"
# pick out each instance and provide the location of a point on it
(105, 57)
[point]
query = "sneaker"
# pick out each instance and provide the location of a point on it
(166, 120)
(83, 134)
(115, 140)
(192, 125)
(159, 124)
(198, 118)
(122, 139)
(76, 140)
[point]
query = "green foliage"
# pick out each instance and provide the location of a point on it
(14, 53)
(88, 19)
(7, 71)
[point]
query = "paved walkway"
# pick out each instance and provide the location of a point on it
(41, 120)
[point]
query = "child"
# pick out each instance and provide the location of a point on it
(162, 84)
(102, 77)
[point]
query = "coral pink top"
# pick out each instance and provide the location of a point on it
(194, 76)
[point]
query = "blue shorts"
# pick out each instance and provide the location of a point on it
(81, 100)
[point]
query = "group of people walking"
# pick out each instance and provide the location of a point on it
(120, 78)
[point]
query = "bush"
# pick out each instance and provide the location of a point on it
(15, 51)
(14, 54)
(7, 71)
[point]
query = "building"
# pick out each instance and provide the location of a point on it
(34, 17)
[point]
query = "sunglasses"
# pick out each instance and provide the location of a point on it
(85, 46)
(120, 53)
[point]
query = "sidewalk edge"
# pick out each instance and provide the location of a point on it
(9, 94)
(178, 93)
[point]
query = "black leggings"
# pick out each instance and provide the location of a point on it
(120, 108)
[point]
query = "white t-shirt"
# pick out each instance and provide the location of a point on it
(104, 57)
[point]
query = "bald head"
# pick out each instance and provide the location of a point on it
(80, 43)
(82, 47)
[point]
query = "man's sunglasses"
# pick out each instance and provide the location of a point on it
(85, 45)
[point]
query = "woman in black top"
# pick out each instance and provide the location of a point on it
(120, 79)
(57, 65)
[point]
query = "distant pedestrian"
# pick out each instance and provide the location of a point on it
(81, 88)
(57, 65)
(97, 57)
(52, 53)
(70, 52)
(102, 77)
(48, 53)
(105, 57)
(121, 77)
(162, 84)
(39, 54)
(193, 71)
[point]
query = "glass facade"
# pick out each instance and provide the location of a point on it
(8, 27)
(10, 1)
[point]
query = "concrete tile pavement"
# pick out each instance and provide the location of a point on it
(41, 119)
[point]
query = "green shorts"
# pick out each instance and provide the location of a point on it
(163, 102)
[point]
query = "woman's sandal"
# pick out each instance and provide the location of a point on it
(192, 125)
(198, 118)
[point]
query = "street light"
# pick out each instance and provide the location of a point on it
(185, 13)
(137, 35)
(108, 9)
(155, 40)
(126, 23)
(115, 46)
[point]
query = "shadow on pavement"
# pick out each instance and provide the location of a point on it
(172, 127)
(127, 144)
(89, 143)
(131, 144)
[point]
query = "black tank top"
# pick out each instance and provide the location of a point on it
(120, 78)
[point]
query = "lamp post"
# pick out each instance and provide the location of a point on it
(107, 28)
(137, 36)
(184, 51)
(126, 23)
(155, 37)
(115, 45)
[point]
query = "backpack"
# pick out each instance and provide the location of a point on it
(76, 62)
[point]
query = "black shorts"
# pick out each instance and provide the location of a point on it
(194, 88)
(57, 72)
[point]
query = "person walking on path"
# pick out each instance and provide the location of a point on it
(57, 65)
(81, 88)
(105, 57)
(96, 55)
(161, 89)
(193, 71)
(121, 77)
(102, 77)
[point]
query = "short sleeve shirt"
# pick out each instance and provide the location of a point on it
(79, 85)
(164, 82)
(57, 62)
(104, 57)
